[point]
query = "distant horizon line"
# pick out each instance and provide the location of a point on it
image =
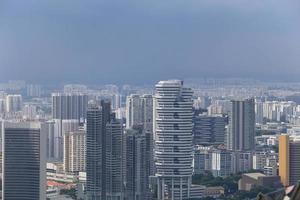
(202, 80)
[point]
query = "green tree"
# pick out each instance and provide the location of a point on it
(70, 192)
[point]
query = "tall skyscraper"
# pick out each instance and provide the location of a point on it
(114, 160)
(147, 119)
(106, 117)
(74, 151)
(241, 129)
(69, 106)
(24, 161)
(94, 152)
(173, 125)
(102, 131)
(209, 130)
(136, 176)
(289, 162)
(139, 112)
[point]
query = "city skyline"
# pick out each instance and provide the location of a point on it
(149, 99)
(139, 143)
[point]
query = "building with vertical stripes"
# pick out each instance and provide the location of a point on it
(24, 161)
(94, 153)
(75, 151)
(69, 106)
(289, 162)
(114, 160)
(241, 128)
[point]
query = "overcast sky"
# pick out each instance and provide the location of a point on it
(142, 41)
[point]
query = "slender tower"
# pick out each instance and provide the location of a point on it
(114, 164)
(241, 129)
(173, 139)
(94, 156)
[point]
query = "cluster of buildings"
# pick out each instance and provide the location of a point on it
(142, 144)
(280, 111)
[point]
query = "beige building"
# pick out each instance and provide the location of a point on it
(252, 180)
(289, 162)
(74, 151)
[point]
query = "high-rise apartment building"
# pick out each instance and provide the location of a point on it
(242, 161)
(259, 117)
(13, 103)
(34, 90)
(209, 130)
(116, 101)
(29, 112)
(202, 159)
(75, 88)
(133, 110)
(94, 152)
(173, 126)
(289, 162)
(74, 151)
(139, 110)
(51, 130)
(219, 106)
(54, 131)
(106, 118)
(147, 118)
(24, 161)
(221, 162)
(279, 110)
(241, 129)
(136, 177)
(114, 160)
(103, 150)
(202, 102)
(69, 106)
(2, 106)
(147, 112)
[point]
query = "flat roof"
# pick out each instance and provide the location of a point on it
(254, 175)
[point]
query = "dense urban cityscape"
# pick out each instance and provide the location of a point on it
(149, 100)
(198, 140)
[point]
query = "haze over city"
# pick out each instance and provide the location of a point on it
(149, 100)
(138, 42)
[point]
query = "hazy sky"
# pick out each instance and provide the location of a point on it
(141, 41)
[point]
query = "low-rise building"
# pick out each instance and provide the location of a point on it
(252, 180)
(213, 192)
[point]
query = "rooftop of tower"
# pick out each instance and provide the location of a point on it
(171, 82)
